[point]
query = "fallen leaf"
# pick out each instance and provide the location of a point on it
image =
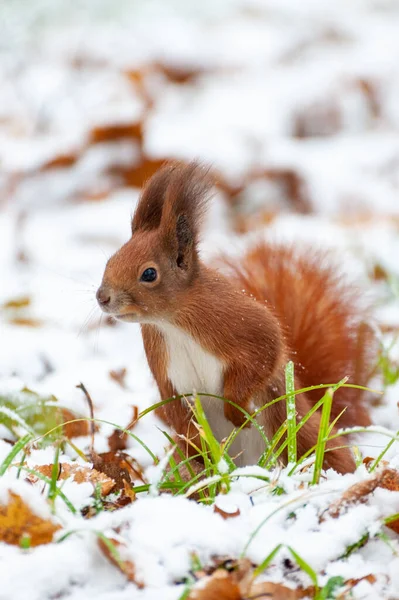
(179, 74)
(119, 466)
(239, 585)
(119, 375)
(225, 514)
(370, 578)
(17, 521)
(61, 161)
(113, 550)
(136, 175)
(276, 591)
(219, 586)
(25, 322)
(17, 303)
(118, 440)
(389, 480)
(118, 131)
(79, 473)
(76, 429)
(359, 492)
(129, 492)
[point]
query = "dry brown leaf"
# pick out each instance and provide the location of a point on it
(238, 584)
(114, 556)
(359, 492)
(128, 491)
(352, 582)
(389, 480)
(276, 591)
(25, 322)
(76, 429)
(17, 521)
(245, 223)
(225, 514)
(79, 473)
(178, 74)
(367, 461)
(136, 175)
(379, 273)
(62, 161)
(119, 466)
(17, 303)
(119, 375)
(118, 440)
(219, 586)
(118, 131)
(393, 525)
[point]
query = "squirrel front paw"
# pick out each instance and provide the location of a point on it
(235, 416)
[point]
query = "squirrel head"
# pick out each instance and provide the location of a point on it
(146, 279)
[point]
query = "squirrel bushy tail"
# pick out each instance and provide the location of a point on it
(324, 326)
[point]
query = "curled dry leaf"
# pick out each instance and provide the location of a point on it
(359, 492)
(114, 550)
(79, 474)
(17, 521)
(352, 582)
(226, 514)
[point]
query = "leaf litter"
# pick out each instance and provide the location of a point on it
(272, 535)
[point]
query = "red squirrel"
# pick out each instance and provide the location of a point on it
(232, 335)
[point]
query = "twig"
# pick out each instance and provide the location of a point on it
(82, 387)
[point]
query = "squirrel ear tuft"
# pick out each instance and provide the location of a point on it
(148, 212)
(185, 202)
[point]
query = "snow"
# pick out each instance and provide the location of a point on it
(309, 87)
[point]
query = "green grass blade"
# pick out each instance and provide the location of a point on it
(305, 567)
(55, 470)
(322, 435)
(328, 592)
(291, 412)
(266, 562)
(15, 450)
(211, 441)
(269, 456)
(381, 455)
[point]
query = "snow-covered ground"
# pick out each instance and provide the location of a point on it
(296, 106)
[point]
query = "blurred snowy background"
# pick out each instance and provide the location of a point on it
(295, 104)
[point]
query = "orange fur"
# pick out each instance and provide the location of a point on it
(325, 330)
(293, 306)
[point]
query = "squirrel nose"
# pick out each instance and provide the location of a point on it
(103, 296)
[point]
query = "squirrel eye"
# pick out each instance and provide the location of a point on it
(149, 275)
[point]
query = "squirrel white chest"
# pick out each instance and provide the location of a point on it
(190, 367)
